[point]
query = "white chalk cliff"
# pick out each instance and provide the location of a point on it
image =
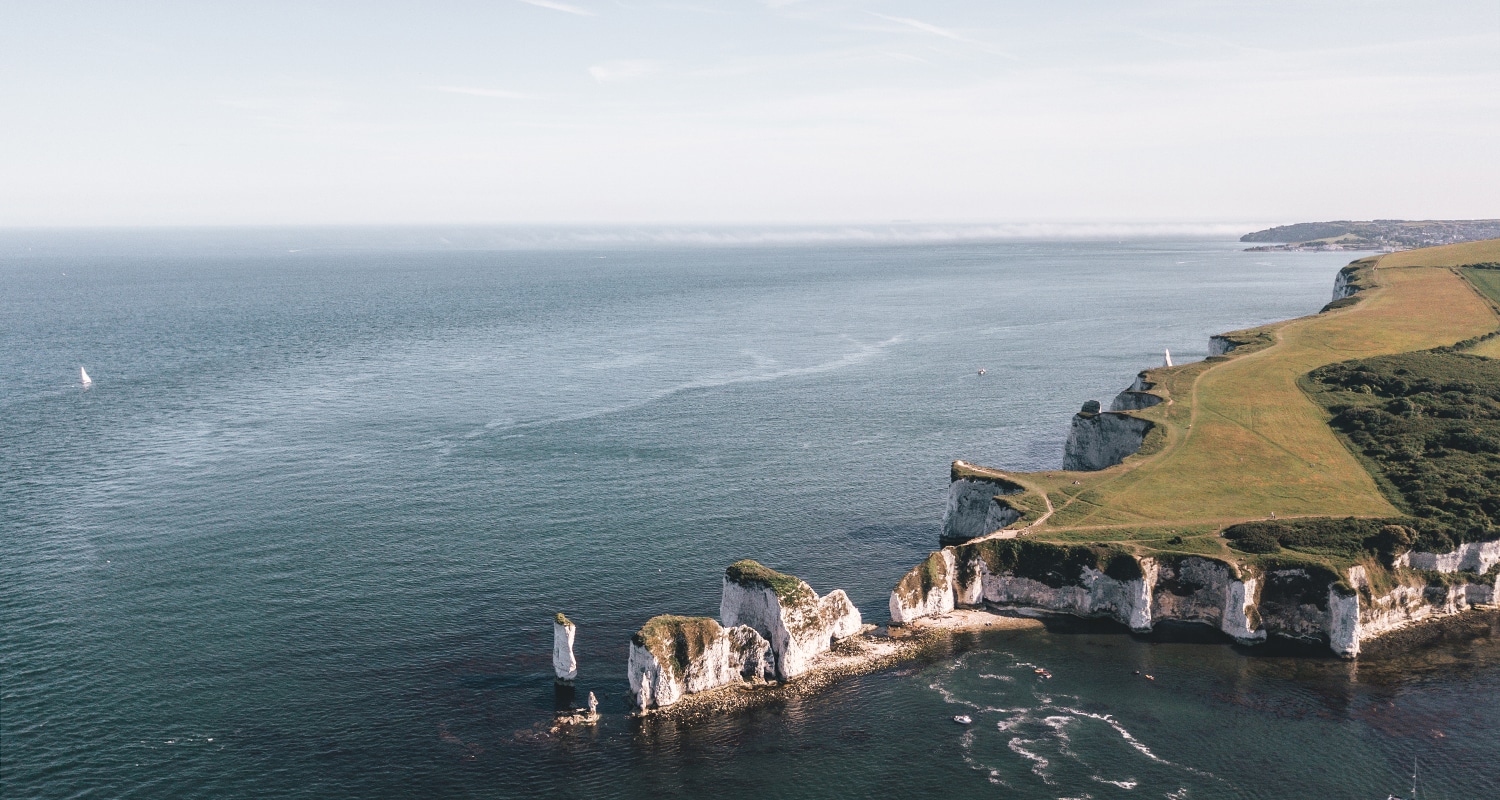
(1219, 345)
(1101, 439)
(976, 504)
(1143, 592)
(926, 591)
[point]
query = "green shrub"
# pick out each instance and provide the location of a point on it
(1427, 424)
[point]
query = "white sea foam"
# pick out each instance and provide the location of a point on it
(1039, 762)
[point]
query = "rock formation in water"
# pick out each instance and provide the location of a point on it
(1141, 592)
(563, 662)
(774, 626)
(799, 624)
(976, 503)
(671, 657)
(1101, 439)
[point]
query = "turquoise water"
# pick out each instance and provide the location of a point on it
(305, 534)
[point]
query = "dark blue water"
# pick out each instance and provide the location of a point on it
(305, 534)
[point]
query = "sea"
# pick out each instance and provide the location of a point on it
(305, 534)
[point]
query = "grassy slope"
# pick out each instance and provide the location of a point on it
(1487, 281)
(1242, 440)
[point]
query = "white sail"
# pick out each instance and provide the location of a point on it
(1169, 357)
(87, 381)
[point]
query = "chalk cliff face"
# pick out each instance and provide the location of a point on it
(975, 507)
(799, 624)
(1472, 557)
(1222, 345)
(1099, 440)
(563, 662)
(1136, 396)
(927, 591)
(671, 657)
(1142, 592)
(1133, 401)
(1341, 285)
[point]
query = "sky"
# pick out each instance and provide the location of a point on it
(126, 113)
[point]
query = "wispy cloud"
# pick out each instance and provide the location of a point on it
(938, 30)
(925, 27)
(563, 7)
(502, 94)
(618, 71)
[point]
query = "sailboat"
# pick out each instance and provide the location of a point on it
(1169, 357)
(87, 381)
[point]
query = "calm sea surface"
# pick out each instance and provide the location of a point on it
(305, 534)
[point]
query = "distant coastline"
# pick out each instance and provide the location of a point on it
(1379, 236)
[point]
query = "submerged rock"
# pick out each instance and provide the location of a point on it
(563, 662)
(799, 624)
(672, 656)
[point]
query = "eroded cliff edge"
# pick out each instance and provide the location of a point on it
(1248, 604)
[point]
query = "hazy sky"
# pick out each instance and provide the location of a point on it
(125, 113)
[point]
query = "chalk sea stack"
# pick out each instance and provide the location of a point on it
(773, 628)
(563, 662)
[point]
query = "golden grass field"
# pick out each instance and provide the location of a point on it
(1242, 441)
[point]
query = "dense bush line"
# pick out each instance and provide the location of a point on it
(1428, 425)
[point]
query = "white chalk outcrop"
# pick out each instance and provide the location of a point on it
(774, 626)
(976, 504)
(1341, 285)
(1471, 557)
(1220, 345)
(1136, 396)
(563, 662)
(785, 610)
(1101, 439)
(1144, 592)
(672, 657)
(929, 590)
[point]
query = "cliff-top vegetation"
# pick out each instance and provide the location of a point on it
(675, 641)
(752, 573)
(1254, 435)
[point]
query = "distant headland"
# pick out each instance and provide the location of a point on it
(1378, 235)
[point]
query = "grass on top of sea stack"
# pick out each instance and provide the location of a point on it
(1241, 440)
(676, 640)
(750, 573)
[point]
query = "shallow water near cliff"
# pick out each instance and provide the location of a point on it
(305, 534)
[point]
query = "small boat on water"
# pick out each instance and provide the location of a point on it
(964, 719)
(84, 374)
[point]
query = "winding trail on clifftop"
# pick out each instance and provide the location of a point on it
(1247, 441)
